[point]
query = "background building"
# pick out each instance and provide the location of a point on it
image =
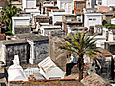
(108, 2)
(79, 5)
(67, 5)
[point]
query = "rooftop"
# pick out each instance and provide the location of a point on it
(8, 42)
(95, 13)
(57, 33)
(94, 80)
(103, 9)
(32, 37)
(104, 52)
(20, 17)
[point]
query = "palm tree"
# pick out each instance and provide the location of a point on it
(80, 44)
(6, 16)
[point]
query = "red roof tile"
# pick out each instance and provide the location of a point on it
(50, 82)
(103, 9)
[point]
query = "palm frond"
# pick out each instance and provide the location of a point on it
(81, 43)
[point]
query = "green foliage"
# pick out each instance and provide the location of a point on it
(7, 13)
(9, 33)
(109, 25)
(80, 44)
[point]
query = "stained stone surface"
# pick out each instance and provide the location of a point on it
(15, 47)
(22, 29)
(41, 50)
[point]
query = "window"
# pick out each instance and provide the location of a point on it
(90, 19)
(94, 19)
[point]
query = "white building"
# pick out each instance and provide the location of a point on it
(92, 19)
(29, 4)
(49, 69)
(57, 16)
(113, 21)
(45, 30)
(20, 21)
(67, 5)
(108, 2)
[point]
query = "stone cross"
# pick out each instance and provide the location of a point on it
(16, 60)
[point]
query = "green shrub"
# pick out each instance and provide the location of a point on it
(109, 25)
(9, 33)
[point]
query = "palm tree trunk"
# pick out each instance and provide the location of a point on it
(81, 66)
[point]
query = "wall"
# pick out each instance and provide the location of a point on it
(67, 5)
(110, 46)
(21, 25)
(113, 21)
(71, 21)
(57, 55)
(42, 19)
(37, 50)
(29, 4)
(92, 20)
(21, 21)
(108, 18)
(108, 2)
(57, 18)
(41, 51)
(17, 49)
(46, 32)
(21, 29)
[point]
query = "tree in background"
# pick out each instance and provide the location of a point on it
(80, 44)
(6, 17)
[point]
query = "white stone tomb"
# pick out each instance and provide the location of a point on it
(15, 71)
